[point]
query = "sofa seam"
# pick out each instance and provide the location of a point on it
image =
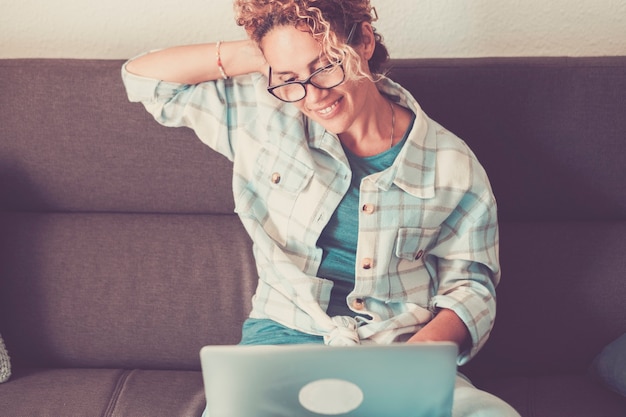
(117, 391)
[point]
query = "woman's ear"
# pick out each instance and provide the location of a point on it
(368, 41)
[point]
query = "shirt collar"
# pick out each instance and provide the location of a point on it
(414, 169)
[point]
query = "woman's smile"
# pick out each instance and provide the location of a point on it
(328, 111)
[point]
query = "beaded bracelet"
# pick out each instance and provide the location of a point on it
(219, 60)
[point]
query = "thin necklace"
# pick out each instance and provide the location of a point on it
(393, 124)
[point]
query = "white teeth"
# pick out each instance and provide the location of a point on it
(328, 109)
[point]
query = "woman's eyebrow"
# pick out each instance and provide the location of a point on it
(311, 65)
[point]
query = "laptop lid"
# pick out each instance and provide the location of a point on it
(414, 380)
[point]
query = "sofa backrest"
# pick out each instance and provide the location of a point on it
(119, 245)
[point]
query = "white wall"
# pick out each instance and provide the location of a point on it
(412, 28)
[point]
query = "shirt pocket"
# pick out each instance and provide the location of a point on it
(413, 243)
(410, 278)
(281, 171)
(277, 180)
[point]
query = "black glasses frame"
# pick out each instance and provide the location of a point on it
(304, 83)
(309, 79)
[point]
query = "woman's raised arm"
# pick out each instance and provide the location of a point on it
(193, 64)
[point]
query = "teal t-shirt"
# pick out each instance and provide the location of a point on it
(339, 238)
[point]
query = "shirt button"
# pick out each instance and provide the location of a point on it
(358, 304)
(368, 208)
(275, 177)
(367, 263)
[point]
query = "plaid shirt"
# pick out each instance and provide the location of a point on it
(428, 232)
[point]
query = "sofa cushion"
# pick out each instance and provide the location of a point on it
(609, 367)
(58, 392)
(159, 393)
(51, 159)
(102, 392)
(5, 362)
(122, 290)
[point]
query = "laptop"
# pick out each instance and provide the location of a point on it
(397, 380)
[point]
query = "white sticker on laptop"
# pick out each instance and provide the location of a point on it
(330, 397)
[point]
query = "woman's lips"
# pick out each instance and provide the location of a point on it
(328, 111)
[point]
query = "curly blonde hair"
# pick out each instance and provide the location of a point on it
(329, 21)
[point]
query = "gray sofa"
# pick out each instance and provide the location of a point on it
(120, 255)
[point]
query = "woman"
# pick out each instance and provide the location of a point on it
(370, 222)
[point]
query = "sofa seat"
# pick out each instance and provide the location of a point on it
(154, 393)
(103, 392)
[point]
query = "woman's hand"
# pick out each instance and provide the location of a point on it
(445, 326)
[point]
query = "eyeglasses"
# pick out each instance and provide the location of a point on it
(325, 78)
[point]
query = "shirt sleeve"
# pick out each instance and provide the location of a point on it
(468, 267)
(215, 110)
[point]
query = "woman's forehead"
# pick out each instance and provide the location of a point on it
(289, 49)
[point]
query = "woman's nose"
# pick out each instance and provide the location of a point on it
(313, 94)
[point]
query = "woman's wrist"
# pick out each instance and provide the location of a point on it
(238, 58)
(445, 326)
